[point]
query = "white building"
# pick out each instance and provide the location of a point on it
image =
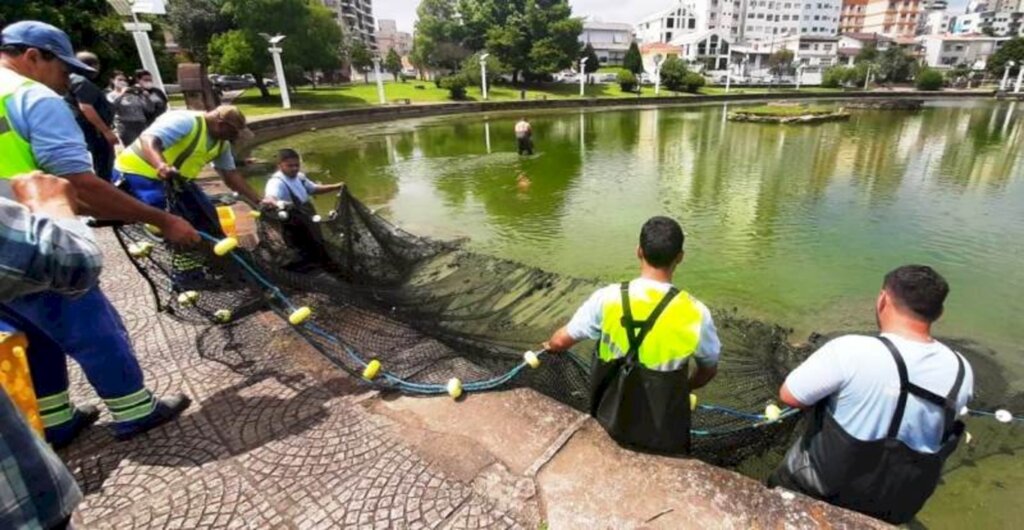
(356, 20)
(707, 51)
(389, 38)
(996, 23)
(742, 21)
(947, 51)
(610, 40)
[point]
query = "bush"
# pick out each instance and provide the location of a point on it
(627, 81)
(692, 82)
(456, 86)
(835, 77)
(929, 79)
(673, 74)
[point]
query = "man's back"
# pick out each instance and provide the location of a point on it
(859, 378)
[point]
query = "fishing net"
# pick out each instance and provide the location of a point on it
(430, 311)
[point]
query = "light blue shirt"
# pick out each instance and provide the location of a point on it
(858, 376)
(279, 185)
(43, 119)
(586, 323)
(174, 125)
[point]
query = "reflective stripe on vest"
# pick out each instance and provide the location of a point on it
(189, 154)
(668, 345)
(16, 155)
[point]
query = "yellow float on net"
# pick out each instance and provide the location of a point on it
(153, 229)
(371, 370)
(188, 298)
(222, 315)
(225, 245)
(531, 359)
(140, 250)
(772, 412)
(255, 214)
(299, 315)
(693, 402)
(455, 388)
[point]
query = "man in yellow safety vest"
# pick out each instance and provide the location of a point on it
(38, 132)
(647, 331)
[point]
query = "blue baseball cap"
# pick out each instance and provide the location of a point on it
(43, 36)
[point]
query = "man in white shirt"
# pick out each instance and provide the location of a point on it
(290, 186)
(640, 377)
(524, 136)
(886, 407)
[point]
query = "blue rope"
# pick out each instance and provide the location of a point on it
(758, 420)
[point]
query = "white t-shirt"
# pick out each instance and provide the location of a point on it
(279, 185)
(586, 323)
(858, 376)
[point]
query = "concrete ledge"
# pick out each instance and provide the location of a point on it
(273, 127)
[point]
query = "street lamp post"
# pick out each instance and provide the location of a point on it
(380, 82)
(583, 74)
(728, 74)
(867, 78)
(657, 74)
(799, 75)
(1006, 75)
(1020, 79)
(275, 51)
(140, 31)
(483, 73)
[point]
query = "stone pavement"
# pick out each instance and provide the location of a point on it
(279, 438)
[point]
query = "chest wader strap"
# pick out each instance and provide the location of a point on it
(947, 403)
(636, 331)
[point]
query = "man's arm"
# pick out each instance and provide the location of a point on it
(327, 188)
(43, 247)
(709, 349)
(820, 376)
(702, 376)
(93, 117)
(236, 181)
(560, 341)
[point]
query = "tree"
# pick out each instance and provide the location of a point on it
(533, 37)
(194, 24)
(471, 69)
(438, 40)
(633, 61)
(780, 63)
(895, 65)
(673, 74)
(1011, 50)
(835, 77)
(234, 52)
(867, 54)
(319, 46)
(361, 59)
(593, 61)
(393, 64)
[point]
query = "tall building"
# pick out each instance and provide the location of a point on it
(356, 20)
(743, 21)
(993, 23)
(610, 40)
(852, 18)
(893, 18)
(389, 38)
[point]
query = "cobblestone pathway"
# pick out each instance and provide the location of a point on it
(275, 439)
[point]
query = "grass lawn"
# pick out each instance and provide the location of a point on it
(361, 94)
(787, 111)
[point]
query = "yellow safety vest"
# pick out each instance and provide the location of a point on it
(16, 155)
(670, 342)
(188, 154)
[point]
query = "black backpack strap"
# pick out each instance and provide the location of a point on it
(636, 331)
(947, 403)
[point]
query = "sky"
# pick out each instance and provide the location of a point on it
(628, 11)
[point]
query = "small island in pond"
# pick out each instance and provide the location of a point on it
(788, 113)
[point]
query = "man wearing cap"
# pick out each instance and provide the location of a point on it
(95, 116)
(38, 132)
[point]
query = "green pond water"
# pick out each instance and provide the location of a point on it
(794, 225)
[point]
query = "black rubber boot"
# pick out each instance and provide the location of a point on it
(62, 436)
(166, 410)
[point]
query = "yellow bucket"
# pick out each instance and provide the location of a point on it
(226, 215)
(16, 379)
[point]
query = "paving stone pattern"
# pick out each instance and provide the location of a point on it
(270, 441)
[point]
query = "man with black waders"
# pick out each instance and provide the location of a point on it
(885, 408)
(291, 186)
(648, 330)
(524, 137)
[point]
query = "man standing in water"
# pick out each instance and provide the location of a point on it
(885, 407)
(524, 136)
(640, 380)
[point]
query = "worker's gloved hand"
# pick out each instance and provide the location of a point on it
(179, 231)
(45, 194)
(167, 172)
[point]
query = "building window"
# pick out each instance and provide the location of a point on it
(669, 23)
(668, 36)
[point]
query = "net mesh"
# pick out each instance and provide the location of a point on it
(430, 311)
